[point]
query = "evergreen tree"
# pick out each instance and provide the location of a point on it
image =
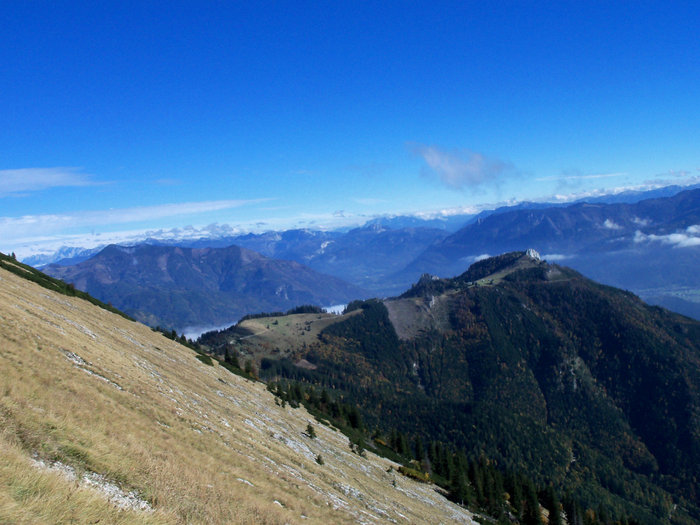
(433, 457)
(354, 417)
(517, 499)
(419, 453)
(552, 503)
(310, 431)
(461, 491)
(231, 357)
(532, 514)
(403, 445)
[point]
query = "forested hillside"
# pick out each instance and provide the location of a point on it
(536, 370)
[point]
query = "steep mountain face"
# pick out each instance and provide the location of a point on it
(619, 244)
(103, 420)
(181, 287)
(539, 369)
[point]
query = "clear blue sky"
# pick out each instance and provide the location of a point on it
(118, 116)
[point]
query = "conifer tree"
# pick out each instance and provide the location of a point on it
(532, 514)
(310, 431)
(552, 503)
(419, 453)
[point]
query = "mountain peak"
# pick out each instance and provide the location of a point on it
(486, 271)
(533, 254)
(496, 268)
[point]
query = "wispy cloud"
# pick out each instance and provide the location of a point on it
(25, 180)
(674, 177)
(470, 259)
(30, 225)
(641, 222)
(569, 176)
(554, 257)
(462, 169)
(683, 239)
(646, 186)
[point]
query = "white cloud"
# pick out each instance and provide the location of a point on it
(16, 228)
(36, 179)
(462, 169)
(610, 225)
(581, 176)
(556, 257)
(690, 237)
(38, 242)
(600, 192)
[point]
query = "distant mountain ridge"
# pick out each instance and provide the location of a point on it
(637, 246)
(365, 257)
(185, 287)
(219, 236)
(626, 240)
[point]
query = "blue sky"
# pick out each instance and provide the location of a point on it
(117, 117)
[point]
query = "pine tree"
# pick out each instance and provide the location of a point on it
(552, 503)
(532, 514)
(231, 357)
(310, 431)
(403, 445)
(354, 418)
(517, 500)
(419, 453)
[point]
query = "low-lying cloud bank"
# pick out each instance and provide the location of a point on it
(683, 239)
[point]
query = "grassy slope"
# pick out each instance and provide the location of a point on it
(284, 336)
(201, 445)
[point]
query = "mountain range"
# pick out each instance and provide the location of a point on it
(192, 287)
(650, 246)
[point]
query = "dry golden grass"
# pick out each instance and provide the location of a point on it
(284, 335)
(106, 395)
